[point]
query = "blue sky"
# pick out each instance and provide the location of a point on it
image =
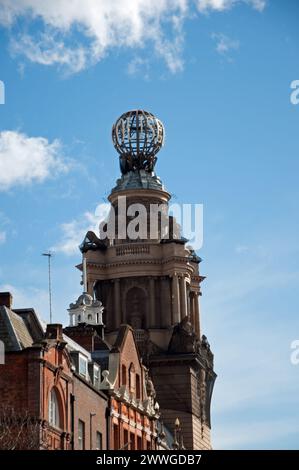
(218, 74)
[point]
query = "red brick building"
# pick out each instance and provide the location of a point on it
(92, 397)
(133, 411)
(39, 378)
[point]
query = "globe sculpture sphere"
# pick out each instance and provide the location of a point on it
(137, 136)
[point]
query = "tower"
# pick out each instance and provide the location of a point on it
(142, 272)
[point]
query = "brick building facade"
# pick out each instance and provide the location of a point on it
(78, 398)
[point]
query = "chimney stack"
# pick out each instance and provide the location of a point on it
(6, 299)
(54, 331)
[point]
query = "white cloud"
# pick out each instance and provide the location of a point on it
(2, 237)
(24, 160)
(224, 44)
(75, 230)
(48, 51)
(4, 226)
(220, 5)
(102, 25)
(136, 64)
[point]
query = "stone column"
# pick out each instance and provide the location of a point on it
(192, 309)
(151, 322)
(189, 303)
(196, 314)
(183, 297)
(117, 306)
(165, 304)
(175, 299)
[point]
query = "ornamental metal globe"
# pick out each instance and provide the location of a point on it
(137, 136)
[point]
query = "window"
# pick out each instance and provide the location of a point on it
(139, 443)
(137, 386)
(54, 418)
(89, 317)
(99, 442)
(115, 437)
(123, 375)
(126, 439)
(79, 318)
(83, 366)
(96, 377)
(81, 435)
(132, 441)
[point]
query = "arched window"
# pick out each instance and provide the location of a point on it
(54, 415)
(89, 316)
(136, 308)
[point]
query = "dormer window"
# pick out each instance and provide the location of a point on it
(83, 366)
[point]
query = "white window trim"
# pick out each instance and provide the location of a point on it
(80, 360)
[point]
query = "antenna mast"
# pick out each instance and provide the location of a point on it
(49, 256)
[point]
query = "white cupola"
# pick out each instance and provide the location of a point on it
(86, 309)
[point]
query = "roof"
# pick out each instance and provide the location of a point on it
(73, 346)
(122, 333)
(34, 323)
(121, 336)
(13, 330)
(138, 180)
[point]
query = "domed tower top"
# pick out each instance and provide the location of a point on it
(137, 136)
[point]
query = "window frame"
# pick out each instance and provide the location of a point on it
(82, 359)
(54, 416)
(81, 437)
(99, 436)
